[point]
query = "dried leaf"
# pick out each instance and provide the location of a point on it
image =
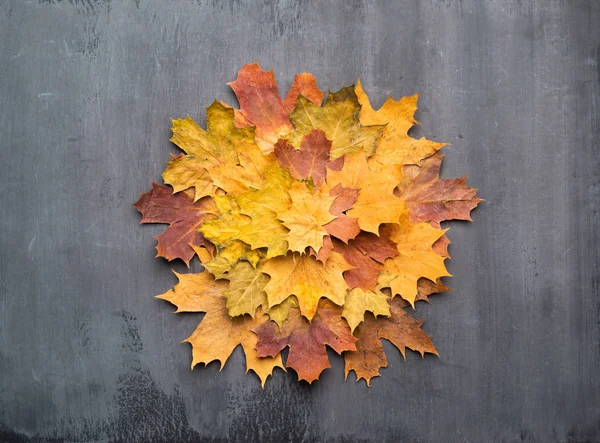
(279, 313)
(219, 334)
(310, 161)
(431, 199)
(376, 202)
(246, 289)
(399, 329)
(366, 253)
(260, 103)
(184, 216)
(307, 340)
(251, 217)
(306, 278)
(416, 258)
(395, 146)
(338, 118)
(305, 85)
(343, 227)
(306, 218)
(359, 301)
(211, 153)
(426, 287)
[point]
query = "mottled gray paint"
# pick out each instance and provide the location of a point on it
(86, 91)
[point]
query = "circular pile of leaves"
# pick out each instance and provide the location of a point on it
(317, 225)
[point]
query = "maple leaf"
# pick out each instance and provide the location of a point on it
(307, 340)
(338, 118)
(264, 229)
(306, 217)
(248, 175)
(325, 251)
(224, 231)
(251, 217)
(415, 259)
(245, 292)
(184, 216)
(426, 287)
(304, 85)
(260, 103)
(366, 253)
(376, 202)
(395, 146)
(309, 161)
(431, 199)
(399, 329)
(279, 313)
(209, 154)
(359, 301)
(306, 278)
(343, 226)
(218, 334)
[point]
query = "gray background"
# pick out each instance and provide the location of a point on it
(86, 91)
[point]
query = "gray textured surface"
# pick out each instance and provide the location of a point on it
(86, 91)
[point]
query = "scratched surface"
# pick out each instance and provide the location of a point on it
(86, 91)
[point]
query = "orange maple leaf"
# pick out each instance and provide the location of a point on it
(219, 334)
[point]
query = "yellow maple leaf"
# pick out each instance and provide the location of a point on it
(306, 278)
(395, 146)
(376, 202)
(264, 229)
(306, 216)
(212, 155)
(233, 230)
(218, 266)
(279, 313)
(238, 250)
(218, 334)
(416, 258)
(338, 118)
(246, 289)
(358, 301)
(249, 174)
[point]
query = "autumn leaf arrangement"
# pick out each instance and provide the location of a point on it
(317, 224)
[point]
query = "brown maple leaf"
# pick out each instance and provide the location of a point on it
(343, 227)
(367, 253)
(307, 340)
(426, 287)
(441, 245)
(311, 160)
(431, 199)
(399, 329)
(184, 216)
